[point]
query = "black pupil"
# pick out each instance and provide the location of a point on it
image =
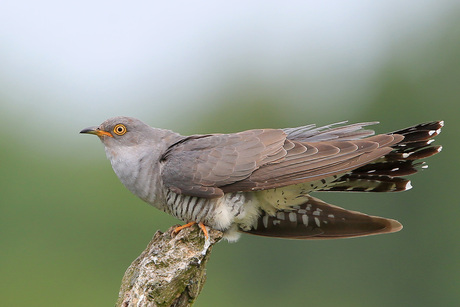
(120, 129)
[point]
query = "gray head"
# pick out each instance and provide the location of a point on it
(122, 131)
(133, 148)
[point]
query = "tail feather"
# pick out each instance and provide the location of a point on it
(369, 183)
(421, 153)
(384, 174)
(421, 132)
(389, 168)
(316, 219)
(413, 152)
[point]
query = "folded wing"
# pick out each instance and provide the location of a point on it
(211, 165)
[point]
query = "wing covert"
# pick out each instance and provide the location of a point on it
(200, 165)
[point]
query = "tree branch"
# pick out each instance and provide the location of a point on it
(171, 271)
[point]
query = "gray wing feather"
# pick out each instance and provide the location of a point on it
(310, 133)
(325, 159)
(209, 166)
(200, 165)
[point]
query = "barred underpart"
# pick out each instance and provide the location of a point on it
(232, 208)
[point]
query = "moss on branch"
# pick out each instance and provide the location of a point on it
(171, 271)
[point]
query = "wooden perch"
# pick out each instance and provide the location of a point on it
(171, 271)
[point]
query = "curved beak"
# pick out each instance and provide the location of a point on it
(95, 130)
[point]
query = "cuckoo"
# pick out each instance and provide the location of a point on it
(260, 181)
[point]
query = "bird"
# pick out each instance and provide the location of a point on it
(260, 181)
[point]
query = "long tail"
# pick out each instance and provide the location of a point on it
(385, 174)
(316, 219)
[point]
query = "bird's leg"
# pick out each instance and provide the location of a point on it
(201, 225)
(179, 228)
(203, 228)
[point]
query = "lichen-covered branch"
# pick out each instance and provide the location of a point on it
(171, 271)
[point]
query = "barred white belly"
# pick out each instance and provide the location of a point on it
(233, 210)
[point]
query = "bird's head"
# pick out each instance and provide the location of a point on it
(121, 132)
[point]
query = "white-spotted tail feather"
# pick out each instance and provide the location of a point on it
(315, 219)
(385, 174)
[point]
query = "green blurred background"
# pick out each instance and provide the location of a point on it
(68, 227)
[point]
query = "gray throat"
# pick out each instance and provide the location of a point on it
(139, 167)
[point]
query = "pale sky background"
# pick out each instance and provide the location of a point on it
(76, 63)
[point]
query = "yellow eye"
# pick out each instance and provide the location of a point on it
(119, 129)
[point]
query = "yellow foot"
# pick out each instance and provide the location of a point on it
(179, 228)
(202, 227)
